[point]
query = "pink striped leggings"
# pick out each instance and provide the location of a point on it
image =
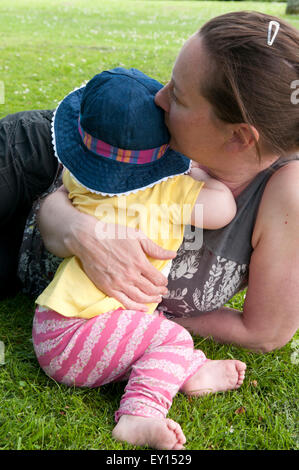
(154, 354)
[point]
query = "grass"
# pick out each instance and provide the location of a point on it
(47, 49)
(37, 413)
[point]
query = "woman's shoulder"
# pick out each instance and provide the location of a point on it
(279, 202)
(283, 186)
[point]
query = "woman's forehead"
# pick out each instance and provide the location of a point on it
(191, 64)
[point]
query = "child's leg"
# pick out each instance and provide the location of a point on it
(165, 361)
(100, 350)
(155, 378)
(103, 349)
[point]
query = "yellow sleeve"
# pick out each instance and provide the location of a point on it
(182, 193)
(72, 186)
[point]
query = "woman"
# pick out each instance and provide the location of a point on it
(229, 104)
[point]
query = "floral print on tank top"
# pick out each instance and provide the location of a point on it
(200, 281)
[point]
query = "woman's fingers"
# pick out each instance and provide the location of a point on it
(128, 298)
(128, 303)
(148, 271)
(147, 287)
(119, 266)
(132, 289)
(154, 250)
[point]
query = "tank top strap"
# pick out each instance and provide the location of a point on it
(224, 242)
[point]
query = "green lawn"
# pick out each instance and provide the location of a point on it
(47, 49)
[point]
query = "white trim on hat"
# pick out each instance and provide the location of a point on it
(93, 190)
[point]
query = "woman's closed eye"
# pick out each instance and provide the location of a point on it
(172, 95)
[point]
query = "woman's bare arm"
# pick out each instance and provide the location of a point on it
(118, 267)
(270, 315)
(55, 220)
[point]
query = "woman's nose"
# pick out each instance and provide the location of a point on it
(161, 99)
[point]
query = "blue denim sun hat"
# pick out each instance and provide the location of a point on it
(111, 135)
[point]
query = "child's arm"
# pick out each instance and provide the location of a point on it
(215, 200)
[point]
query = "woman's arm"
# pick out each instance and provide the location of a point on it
(118, 267)
(55, 231)
(270, 315)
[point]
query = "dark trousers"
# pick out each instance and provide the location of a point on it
(27, 168)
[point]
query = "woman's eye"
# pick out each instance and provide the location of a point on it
(173, 96)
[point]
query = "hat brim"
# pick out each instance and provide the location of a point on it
(101, 174)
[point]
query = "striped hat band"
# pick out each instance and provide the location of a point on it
(101, 148)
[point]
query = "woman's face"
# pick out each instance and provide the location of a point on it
(227, 151)
(195, 130)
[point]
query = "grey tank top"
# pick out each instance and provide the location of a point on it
(200, 280)
(204, 279)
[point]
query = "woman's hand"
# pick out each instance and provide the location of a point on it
(117, 266)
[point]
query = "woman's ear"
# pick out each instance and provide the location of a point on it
(243, 136)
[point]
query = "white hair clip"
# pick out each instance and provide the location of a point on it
(271, 25)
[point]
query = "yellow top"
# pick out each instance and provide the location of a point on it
(160, 212)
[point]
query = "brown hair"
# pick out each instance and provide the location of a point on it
(250, 81)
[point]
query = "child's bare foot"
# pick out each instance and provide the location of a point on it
(153, 432)
(215, 376)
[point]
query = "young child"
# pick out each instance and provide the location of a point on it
(111, 138)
